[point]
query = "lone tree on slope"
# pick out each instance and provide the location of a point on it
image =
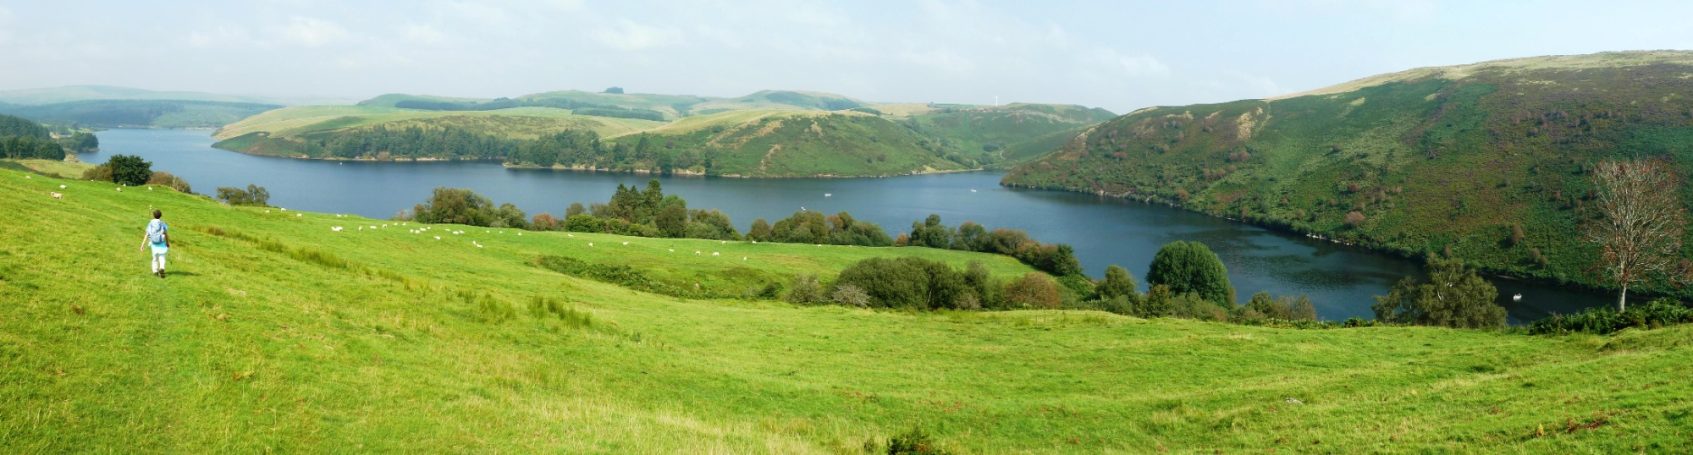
(1641, 224)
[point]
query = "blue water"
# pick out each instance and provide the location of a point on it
(1340, 280)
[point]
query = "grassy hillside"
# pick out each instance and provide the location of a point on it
(785, 143)
(1005, 135)
(274, 333)
(1432, 158)
(764, 134)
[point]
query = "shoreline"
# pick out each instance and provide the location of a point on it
(1638, 296)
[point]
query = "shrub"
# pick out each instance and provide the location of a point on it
(850, 295)
(1654, 314)
(101, 173)
(1033, 290)
(543, 222)
(1354, 218)
(170, 180)
(253, 195)
(130, 170)
(806, 289)
(1117, 283)
(1191, 267)
(906, 282)
(455, 206)
(1159, 301)
(1263, 306)
(914, 442)
(1453, 296)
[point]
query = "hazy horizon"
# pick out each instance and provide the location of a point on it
(1100, 54)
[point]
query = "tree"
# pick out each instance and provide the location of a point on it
(575, 209)
(130, 170)
(1117, 283)
(253, 195)
(455, 206)
(1033, 290)
(614, 90)
(1453, 296)
(1641, 222)
(1192, 267)
(760, 230)
(672, 220)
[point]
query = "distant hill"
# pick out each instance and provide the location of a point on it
(1005, 135)
(53, 95)
(763, 134)
(1429, 159)
(138, 113)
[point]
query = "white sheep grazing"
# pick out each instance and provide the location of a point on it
(743, 258)
(437, 237)
(714, 253)
(473, 242)
(520, 234)
(62, 186)
(149, 188)
(570, 235)
(673, 250)
(282, 209)
(590, 244)
(297, 215)
(120, 189)
(696, 252)
(335, 228)
(56, 195)
(625, 243)
(724, 242)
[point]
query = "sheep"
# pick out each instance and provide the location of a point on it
(625, 243)
(570, 235)
(437, 237)
(335, 228)
(120, 189)
(473, 242)
(673, 250)
(62, 186)
(714, 253)
(696, 252)
(56, 195)
(590, 244)
(297, 215)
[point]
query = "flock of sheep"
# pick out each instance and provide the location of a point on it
(413, 231)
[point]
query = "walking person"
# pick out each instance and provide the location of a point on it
(158, 239)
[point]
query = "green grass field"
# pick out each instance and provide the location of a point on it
(274, 333)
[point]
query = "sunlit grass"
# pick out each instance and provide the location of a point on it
(275, 333)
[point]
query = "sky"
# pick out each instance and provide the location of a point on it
(1120, 55)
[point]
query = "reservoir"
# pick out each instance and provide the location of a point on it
(1341, 281)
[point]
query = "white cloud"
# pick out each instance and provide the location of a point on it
(5, 25)
(220, 36)
(630, 36)
(1137, 65)
(311, 32)
(423, 34)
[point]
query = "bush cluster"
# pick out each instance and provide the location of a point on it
(1056, 259)
(253, 195)
(812, 227)
(1657, 313)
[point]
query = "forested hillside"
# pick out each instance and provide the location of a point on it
(1486, 161)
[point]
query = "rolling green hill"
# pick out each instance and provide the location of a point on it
(1432, 158)
(274, 332)
(790, 143)
(1005, 135)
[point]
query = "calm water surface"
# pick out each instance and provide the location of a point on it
(1340, 280)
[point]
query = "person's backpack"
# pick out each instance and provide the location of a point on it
(157, 234)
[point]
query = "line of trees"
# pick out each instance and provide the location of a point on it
(1057, 259)
(22, 138)
(807, 226)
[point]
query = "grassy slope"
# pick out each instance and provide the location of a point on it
(850, 143)
(246, 349)
(1433, 157)
(786, 143)
(1018, 132)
